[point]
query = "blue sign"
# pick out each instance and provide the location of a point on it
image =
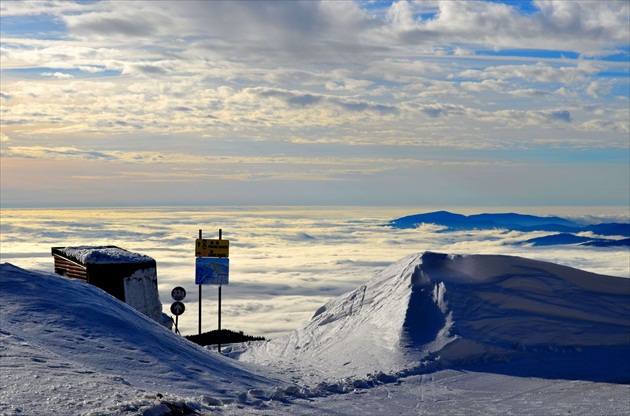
(212, 271)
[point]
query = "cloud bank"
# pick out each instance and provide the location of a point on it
(285, 262)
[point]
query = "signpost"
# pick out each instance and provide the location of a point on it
(212, 248)
(212, 267)
(177, 308)
(212, 271)
(178, 293)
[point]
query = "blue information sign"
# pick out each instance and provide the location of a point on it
(212, 270)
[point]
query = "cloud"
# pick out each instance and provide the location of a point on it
(590, 28)
(539, 72)
(58, 75)
(598, 88)
(279, 276)
(39, 152)
(288, 97)
(113, 21)
(441, 110)
(148, 69)
(301, 100)
(485, 85)
(303, 28)
(529, 92)
(308, 79)
(339, 164)
(34, 8)
(599, 22)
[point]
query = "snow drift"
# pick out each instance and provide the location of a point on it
(452, 309)
(70, 348)
(64, 341)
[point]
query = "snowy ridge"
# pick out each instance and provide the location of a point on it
(448, 309)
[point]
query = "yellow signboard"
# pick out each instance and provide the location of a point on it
(212, 248)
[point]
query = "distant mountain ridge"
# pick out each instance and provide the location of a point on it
(566, 238)
(522, 222)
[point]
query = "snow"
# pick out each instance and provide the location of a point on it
(84, 347)
(456, 310)
(141, 293)
(430, 334)
(103, 255)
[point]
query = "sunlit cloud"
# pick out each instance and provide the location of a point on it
(188, 83)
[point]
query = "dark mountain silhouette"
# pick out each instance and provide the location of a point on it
(525, 223)
(555, 239)
(609, 229)
(551, 240)
(608, 243)
(511, 221)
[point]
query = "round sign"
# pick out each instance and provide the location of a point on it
(178, 293)
(177, 308)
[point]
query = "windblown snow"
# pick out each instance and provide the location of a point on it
(430, 334)
(451, 310)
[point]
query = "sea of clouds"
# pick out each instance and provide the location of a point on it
(285, 262)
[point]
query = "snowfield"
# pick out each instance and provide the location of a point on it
(452, 310)
(430, 334)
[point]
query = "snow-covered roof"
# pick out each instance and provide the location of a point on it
(101, 255)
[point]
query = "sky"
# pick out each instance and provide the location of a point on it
(130, 103)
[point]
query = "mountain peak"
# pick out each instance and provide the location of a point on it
(460, 308)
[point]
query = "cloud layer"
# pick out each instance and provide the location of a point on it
(285, 262)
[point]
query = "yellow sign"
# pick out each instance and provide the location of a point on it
(212, 248)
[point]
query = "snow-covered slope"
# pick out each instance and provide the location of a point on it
(69, 347)
(435, 332)
(450, 310)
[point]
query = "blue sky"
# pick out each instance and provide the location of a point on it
(314, 103)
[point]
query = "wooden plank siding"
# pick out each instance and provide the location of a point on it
(68, 268)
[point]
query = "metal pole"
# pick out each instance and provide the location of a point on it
(219, 334)
(200, 296)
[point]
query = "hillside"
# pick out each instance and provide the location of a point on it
(426, 335)
(70, 345)
(436, 309)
